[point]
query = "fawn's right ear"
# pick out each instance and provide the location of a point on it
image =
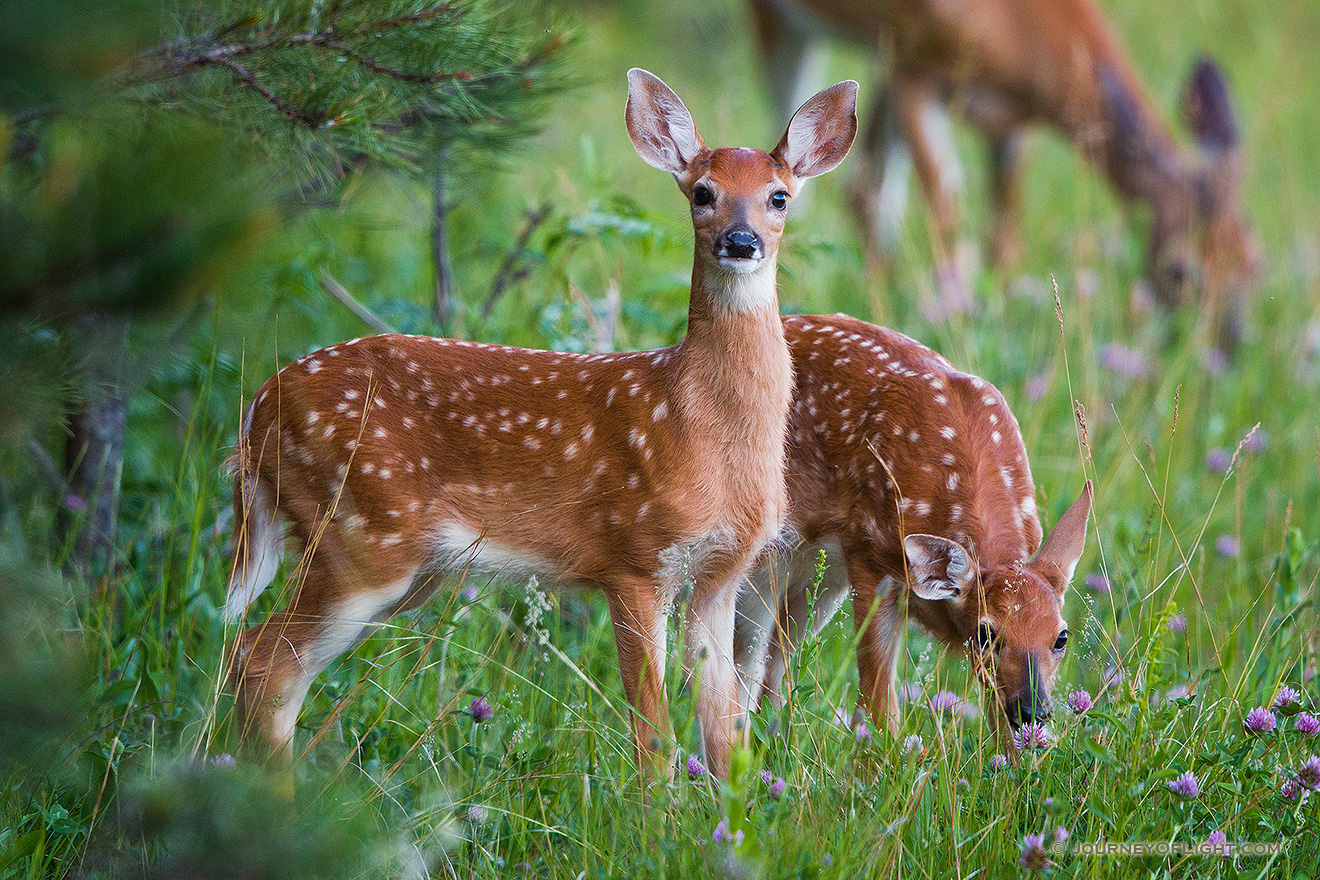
(938, 568)
(660, 126)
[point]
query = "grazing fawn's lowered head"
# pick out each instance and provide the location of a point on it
(1010, 615)
(739, 196)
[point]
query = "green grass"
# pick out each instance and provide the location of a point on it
(397, 767)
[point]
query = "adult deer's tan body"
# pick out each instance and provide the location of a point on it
(913, 477)
(397, 459)
(1007, 64)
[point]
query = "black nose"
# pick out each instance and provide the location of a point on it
(1026, 711)
(740, 244)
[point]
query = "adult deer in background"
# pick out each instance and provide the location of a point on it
(397, 459)
(1006, 64)
(912, 476)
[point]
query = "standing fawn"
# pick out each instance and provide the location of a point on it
(913, 478)
(397, 459)
(1007, 64)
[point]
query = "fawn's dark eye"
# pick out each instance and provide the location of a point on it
(987, 639)
(779, 201)
(702, 196)
(1062, 641)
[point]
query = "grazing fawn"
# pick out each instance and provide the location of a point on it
(396, 459)
(1007, 64)
(913, 478)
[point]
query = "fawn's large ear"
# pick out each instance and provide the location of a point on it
(660, 126)
(938, 568)
(821, 131)
(1057, 557)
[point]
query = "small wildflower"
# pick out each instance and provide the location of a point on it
(1291, 790)
(944, 700)
(1218, 460)
(1061, 835)
(1037, 385)
(1255, 440)
(225, 761)
(863, 734)
(75, 503)
(469, 593)
(1185, 785)
(963, 785)
(1306, 724)
(1287, 697)
(1217, 839)
(1080, 702)
(1177, 623)
(1177, 692)
(1031, 736)
(1215, 361)
(1309, 775)
(1048, 803)
(721, 834)
(480, 710)
(778, 787)
(1096, 582)
(695, 768)
(842, 717)
(1228, 546)
(1260, 720)
(476, 815)
(910, 692)
(1130, 362)
(912, 745)
(767, 777)
(998, 762)
(1114, 676)
(1034, 858)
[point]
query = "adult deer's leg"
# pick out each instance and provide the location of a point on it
(1006, 195)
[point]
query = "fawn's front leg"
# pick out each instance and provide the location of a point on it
(640, 636)
(878, 612)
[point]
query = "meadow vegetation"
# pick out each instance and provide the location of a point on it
(1194, 604)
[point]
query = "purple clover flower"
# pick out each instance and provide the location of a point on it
(1217, 838)
(1037, 385)
(476, 815)
(696, 769)
(1309, 775)
(480, 710)
(1080, 702)
(1287, 697)
(1031, 736)
(767, 777)
(1061, 835)
(1255, 440)
(1260, 720)
(1177, 623)
(912, 745)
(1034, 858)
(721, 834)
(998, 762)
(1306, 724)
(863, 734)
(778, 787)
(225, 761)
(1185, 785)
(1218, 460)
(944, 701)
(1096, 582)
(1291, 790)
(1228, 546)
(1130, 362)
(963, 786)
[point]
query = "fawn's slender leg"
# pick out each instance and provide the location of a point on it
(878, 611)
(640, 636)
(1006, 196)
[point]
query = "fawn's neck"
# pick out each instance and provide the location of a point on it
(735, 357)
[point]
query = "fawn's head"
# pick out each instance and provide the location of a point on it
(739, 196)
(1011, 615)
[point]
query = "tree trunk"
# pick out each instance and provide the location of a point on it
(444, 271)
(94, 449)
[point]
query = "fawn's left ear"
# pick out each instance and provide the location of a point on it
(820, 132)
(659, 124)
(1057, 558)
(938, 569)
